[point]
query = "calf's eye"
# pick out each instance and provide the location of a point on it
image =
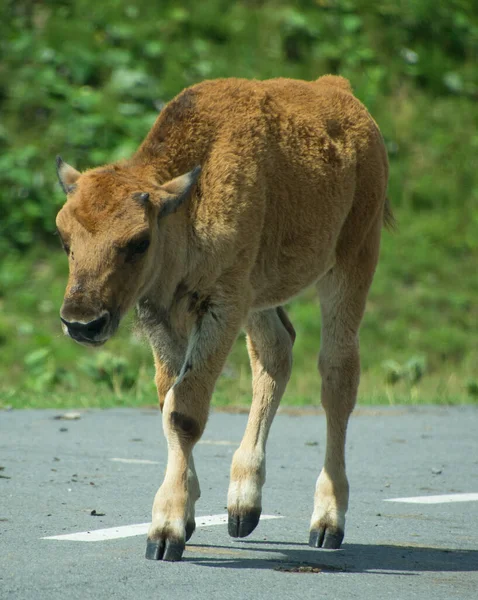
(138, 247)
(135, 248)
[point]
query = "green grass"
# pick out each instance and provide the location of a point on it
(94, 93)
(418, 340)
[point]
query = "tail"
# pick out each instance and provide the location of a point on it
(388, 217)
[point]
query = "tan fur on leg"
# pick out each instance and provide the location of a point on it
(270, 337)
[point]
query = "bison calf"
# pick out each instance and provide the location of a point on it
(242, 194)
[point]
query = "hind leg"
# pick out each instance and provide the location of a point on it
(343, 293)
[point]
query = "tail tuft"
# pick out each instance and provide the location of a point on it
(388, 217)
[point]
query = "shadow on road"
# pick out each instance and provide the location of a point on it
(352, 558)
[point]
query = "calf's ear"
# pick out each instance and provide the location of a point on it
(175, 192)
(67, 175)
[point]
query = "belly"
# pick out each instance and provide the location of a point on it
(275, 280)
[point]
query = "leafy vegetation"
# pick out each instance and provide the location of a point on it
(87, 79)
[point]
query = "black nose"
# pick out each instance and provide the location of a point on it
(87, 331)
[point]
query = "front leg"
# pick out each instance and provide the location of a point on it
(185, 413)
(167, 371)
(270, 337)
(169, 347)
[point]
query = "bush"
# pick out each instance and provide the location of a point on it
(86, 80)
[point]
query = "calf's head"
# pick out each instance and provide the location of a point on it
(110, 228)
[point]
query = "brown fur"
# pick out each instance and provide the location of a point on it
(292, 192)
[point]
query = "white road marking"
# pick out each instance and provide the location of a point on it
(113, 533)
(218, 443)
(441, 499)
(136, 461)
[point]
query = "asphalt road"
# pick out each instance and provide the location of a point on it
(56, 472)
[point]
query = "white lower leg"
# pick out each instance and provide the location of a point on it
(340, 376)
(332, 488)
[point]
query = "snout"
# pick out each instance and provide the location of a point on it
(92, 332)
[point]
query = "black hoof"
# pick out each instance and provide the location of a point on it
(169, 550)
(154, 549)
(330, 539)
(240, 526)
(190, 529)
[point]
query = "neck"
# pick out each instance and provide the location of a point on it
(171, 263)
